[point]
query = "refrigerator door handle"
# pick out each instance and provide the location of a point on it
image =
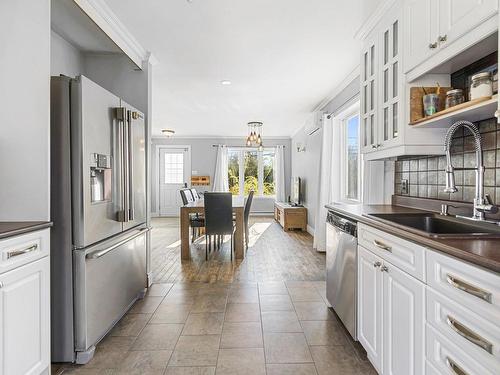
(130, 181)
(126, 167)
(121, 116)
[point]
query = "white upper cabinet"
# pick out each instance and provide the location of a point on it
(382, 85)
(420, 31)
(369, 96)
(391, 89)
(432, 25)
(457, 17)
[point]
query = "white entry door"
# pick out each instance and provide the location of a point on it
(175, 174)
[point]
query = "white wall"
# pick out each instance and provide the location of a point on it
(203, 158)
(25, 124)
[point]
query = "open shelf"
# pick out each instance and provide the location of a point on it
(470, 111)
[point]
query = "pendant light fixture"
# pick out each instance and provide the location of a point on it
(254, 137)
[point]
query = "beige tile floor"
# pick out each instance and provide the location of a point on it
(218, 317)
(194, 328)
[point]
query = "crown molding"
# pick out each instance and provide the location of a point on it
(102, 15)
(374, 19)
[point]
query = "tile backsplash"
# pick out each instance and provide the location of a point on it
(426, 176)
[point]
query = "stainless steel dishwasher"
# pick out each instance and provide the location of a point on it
(341, 269)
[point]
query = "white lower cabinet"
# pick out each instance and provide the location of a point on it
(370, 305)
(391, 316)
(25, 319)
(403, 325)
(443, 318)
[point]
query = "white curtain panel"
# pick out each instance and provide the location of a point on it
(329, 178)
(279, 173)
(221, 180)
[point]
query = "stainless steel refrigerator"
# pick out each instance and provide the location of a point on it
(98, 206)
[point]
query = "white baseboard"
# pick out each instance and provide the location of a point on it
(310, 230)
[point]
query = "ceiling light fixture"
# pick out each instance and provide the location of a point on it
(168, 132)
(225, 82)
(254, 137)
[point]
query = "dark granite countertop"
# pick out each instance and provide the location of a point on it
(15, 228)
(484, 252)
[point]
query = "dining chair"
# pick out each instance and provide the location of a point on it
(194, 193)
(218, 218)
(248, 205)
(196, 222)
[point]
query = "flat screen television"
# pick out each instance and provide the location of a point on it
(295, 196)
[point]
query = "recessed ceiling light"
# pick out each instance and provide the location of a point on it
(225, 82)
(168, 132)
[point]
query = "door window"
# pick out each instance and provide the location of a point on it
(174, 168)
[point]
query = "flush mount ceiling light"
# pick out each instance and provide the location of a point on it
(255, 134)
(168, 132)
(225, 82)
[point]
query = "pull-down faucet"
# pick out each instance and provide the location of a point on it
(482, 202)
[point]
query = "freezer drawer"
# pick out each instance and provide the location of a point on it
(108, 279)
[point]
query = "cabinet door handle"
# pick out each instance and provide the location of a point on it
(433, 45)
(384, 269)
(382, 246)
(377, 264)
(454, 367)
(468, 288)
(15, 253)
(442, 38)
(469, 335)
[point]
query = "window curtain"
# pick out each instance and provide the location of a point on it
(279, 173)
(329, 179)
(221, 180)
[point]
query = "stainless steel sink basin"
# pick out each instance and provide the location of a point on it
(434, 225)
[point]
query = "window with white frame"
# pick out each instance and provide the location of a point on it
(250, 169)
(174, 168)
(351, 157)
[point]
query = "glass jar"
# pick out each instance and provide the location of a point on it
(454, 97)
(481, 86)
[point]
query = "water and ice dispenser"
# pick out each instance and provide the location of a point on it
(100, 178)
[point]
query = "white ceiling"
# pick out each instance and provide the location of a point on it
(282, 56)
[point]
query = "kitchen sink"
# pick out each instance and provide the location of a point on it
(434, 225)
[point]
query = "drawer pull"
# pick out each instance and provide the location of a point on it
(454, 367)
(382, 245)
(469, 334)
(466, 287)
(100, 253)
(15, 253)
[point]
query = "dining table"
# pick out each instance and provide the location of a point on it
(198, 207)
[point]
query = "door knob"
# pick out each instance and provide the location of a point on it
(433, 45)
(384, 269)
(377, 264)
(442, 38)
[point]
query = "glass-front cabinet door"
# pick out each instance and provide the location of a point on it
(369, 97)
(390, 90)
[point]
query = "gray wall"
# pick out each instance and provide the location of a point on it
(24, 94)
(65, 58)
(203, 158)
(306, 164)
